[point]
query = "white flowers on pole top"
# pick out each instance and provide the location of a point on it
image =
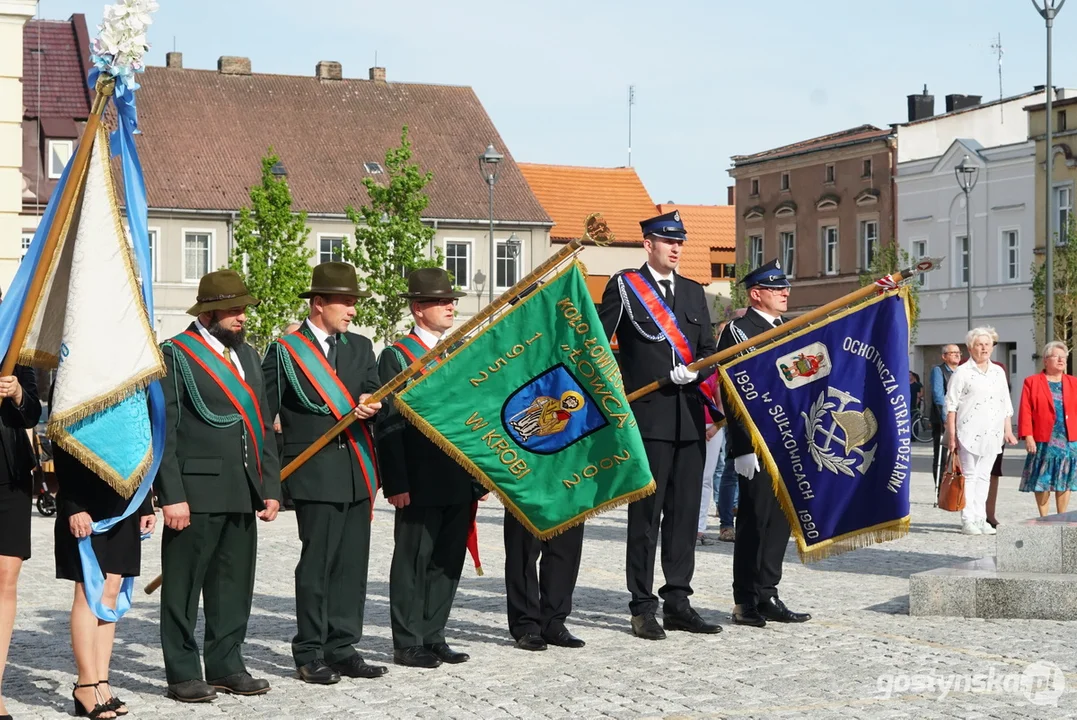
(121, 42)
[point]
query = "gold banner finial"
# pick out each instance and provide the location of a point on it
(597, 231)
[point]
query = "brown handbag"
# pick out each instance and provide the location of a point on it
(952, 487)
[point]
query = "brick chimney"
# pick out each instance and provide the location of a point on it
(377, 74)
(328, 70)
(921, 106)
(174, 60)
(231, 65)
(961, 102)
(731, 195)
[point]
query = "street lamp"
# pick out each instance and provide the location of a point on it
(966, 177)
(489, 164)
(1048, 11)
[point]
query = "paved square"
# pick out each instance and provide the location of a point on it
(861, 656)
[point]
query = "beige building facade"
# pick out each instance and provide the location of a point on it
(13, 16)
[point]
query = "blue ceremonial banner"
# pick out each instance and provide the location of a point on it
(830, 417)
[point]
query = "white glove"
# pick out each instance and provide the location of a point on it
(746, 465)
(681, 375)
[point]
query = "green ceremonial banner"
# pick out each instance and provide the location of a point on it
(534, 407)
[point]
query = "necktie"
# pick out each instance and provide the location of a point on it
(228, 356)
(331, 356)
(667, 291)
(778, 321)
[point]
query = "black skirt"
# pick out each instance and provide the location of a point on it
(118, 551)
(15, 509)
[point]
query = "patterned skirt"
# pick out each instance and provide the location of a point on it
(1052, 468)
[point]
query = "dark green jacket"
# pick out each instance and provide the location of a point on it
(213, 469)
(334, 473)
(410, 462)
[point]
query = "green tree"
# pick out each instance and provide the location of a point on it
(271, 254)
(889, 258)
(391, 239)
(1064, 269)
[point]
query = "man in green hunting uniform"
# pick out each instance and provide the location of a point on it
(314, 377)
(218, 472)
(432, 494)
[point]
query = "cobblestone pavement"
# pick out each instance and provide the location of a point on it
(862, 656)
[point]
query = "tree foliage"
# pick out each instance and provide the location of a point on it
(889, 258)
(391, 239)
(1064, 269)
(271, 254)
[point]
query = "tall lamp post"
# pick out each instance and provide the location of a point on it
(489, 164)
(1049, 9)
(967, 175)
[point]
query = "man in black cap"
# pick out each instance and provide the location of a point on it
(762, 528)
(663, 325)
(314, 376)
(431, 492)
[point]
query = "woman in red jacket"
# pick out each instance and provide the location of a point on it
(1048, 422)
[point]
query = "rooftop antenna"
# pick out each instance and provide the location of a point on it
(173, 43)
(375, 58)
(996, 47)
(631, 102)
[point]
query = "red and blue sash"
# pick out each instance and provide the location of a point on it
(661, 313)
(224, 373)
(340, 402)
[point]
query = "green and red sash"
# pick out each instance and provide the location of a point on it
(340, 402)
(412, 348)
(229, 381)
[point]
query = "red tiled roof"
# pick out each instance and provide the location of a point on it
(709, 227)
(53, 69)
(861, 133)
(204, 134)
(569, 194)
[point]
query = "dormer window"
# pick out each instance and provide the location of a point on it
(373, 168)
(58, 153)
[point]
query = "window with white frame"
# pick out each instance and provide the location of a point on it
(787, 244)
(458, 262)
(153, 234)
(1063, 208)
(830, 249)
(196, 254)
(1011, 255)
(508, 264)
(330, 248)
(755, 251)
(58, 153)
(919, 250)
(27, 238)
(869, 242)
(961, 249)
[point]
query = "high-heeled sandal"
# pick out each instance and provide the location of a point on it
(98, 709)
(114, 703)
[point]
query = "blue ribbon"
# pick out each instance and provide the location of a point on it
(134, 184)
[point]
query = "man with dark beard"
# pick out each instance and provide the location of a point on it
(219, 471)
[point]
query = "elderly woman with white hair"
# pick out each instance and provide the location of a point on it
(1048, 423)
(978, 420)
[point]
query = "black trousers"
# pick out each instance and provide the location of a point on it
(330, 579)
(762, 537)
(213, 557)
(673, 511)
(428, 557)
(539, 599)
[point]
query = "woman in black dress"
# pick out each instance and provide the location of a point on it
(84, 498)
(20, 409)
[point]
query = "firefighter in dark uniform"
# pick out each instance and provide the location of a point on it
(762, 528)
(662, 324)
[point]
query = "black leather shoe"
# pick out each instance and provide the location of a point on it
(317, 672)
(531, 641)
(444, 653)
(241, 684)
(356, 667)
(689, 621)
(563, 638)
(416, 656)
(192, 691)
(748, 616)
(647, 628)
(774, 609)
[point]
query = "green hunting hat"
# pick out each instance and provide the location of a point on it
(221, 290)
(334, 278)
(430, 284)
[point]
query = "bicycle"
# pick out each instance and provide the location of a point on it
(921, 426)
(44, 478)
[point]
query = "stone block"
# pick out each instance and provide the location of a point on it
(1027, 596)
(949, 591)
(1028, 547)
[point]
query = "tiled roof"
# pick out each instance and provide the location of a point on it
(708, 226)
(53, 69)
(861, 133)
(571, 193)
(204, 133)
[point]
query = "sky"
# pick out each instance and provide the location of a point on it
(713, 78)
